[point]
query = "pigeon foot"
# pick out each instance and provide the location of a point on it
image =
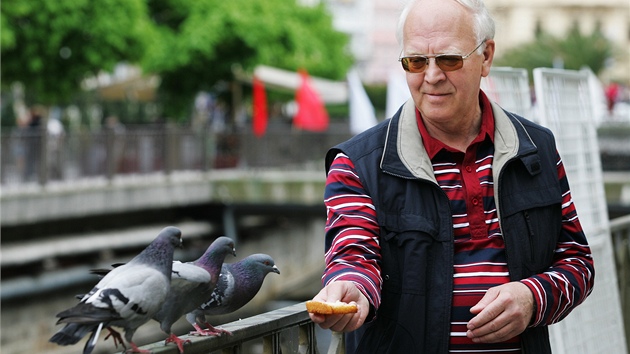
(116, 337)
(178, 341)
(135, 349)
(210, 331)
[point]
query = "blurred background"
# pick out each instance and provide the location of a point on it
(120, 117)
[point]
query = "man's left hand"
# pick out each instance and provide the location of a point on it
(503, 313)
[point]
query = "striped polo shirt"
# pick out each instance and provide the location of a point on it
(353, 250)
(479, 262)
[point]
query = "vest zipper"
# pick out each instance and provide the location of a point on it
(530, 231)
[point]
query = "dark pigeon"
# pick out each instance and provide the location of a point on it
(238, 283)
(128, 296)
(191, 285)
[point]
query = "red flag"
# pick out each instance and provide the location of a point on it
(311, 114)
(259, 120)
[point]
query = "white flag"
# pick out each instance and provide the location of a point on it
(362, 114)
(397, 92)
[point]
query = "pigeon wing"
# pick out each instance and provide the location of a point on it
(189, 273)
(130, 291)
(222, 294)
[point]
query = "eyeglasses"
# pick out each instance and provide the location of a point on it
(446, 62)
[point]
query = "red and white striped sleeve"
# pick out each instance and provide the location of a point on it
(569, 280)
(352, 231)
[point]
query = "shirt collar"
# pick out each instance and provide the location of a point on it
(433, 145)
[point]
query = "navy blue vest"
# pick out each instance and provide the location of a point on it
(416, 231)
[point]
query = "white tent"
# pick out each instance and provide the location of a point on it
(362, 114)
(329, 91)
(397, 92)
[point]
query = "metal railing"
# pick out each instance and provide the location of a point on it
(620, 231)
(32, 156)
(289, 330)
(286, 330)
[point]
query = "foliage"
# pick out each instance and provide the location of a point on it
(51, 46)
(378, 96)
(193, 45)
(197, 43)
(574, 51)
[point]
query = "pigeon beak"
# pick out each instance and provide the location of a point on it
(181, 243)
(234, 252)
(275, 269)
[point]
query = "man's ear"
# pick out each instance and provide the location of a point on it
(488, 57)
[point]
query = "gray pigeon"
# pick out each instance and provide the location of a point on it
(191, 285)
(128, 296)
(238, 283)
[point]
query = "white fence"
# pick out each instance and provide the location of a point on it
(509, 87)
(567, 103)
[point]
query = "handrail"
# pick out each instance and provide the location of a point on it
(29, 157)
(620, 233)
(269, 327)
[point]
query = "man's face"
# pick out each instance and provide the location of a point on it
(445, 27)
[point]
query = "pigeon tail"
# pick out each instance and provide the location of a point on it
(71, 333)
(91, 342)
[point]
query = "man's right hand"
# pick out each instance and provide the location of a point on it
(344, 291)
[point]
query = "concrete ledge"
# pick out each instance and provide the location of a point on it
(28, 252)
(72, 199)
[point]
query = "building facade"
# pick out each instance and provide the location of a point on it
(372, 27)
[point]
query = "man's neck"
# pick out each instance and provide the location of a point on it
(458, 136)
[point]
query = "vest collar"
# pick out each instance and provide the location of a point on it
(404, 154)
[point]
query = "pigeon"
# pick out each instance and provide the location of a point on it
(128, 296)
(191, 285)
(238, 283)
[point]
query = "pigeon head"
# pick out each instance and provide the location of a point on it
(262, 263)
(170, 235)
(159, 253)
(174, 236)
(214, 256)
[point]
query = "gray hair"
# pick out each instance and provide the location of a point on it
(483, 22)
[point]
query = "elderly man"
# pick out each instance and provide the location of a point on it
(451, 225)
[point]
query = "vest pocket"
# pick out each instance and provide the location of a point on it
(531, 237)
(410, 241)
(388, 335)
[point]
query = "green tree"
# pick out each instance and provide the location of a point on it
(575, 51)
(51, 46)
(197, 43)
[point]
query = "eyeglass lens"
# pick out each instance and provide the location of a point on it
(445, 62)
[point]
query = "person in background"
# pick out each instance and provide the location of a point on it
(33, 143)
(612, 94)
(451, 225)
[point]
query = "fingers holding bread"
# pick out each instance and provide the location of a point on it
(331, 308)
(339, 306)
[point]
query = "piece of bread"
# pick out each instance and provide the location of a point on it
(330, 308)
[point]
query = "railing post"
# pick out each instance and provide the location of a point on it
(271, 344)
(205, 164)
(620, 233)
(169, 147)
(307, 342)
(337, 343)
(42, 173)
(110, 158)
(233, 350)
